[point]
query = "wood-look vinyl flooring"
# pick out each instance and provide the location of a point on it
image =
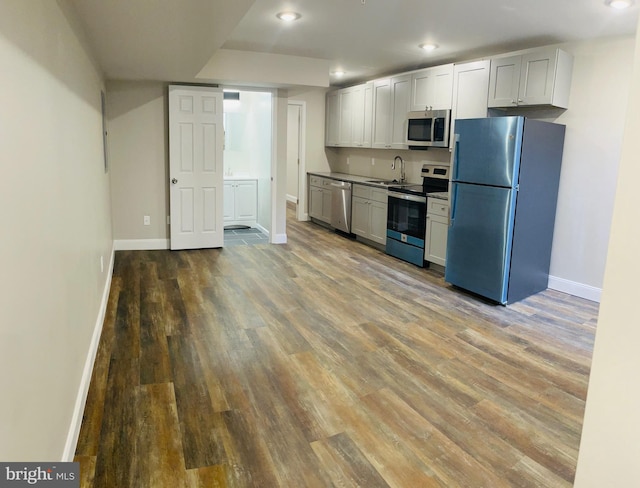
(324, 362)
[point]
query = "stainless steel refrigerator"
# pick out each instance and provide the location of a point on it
(504, 188)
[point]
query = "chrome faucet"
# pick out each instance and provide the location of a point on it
(403, 176)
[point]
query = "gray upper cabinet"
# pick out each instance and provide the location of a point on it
(400, 95)
(540, 77)
(381, 111)
(348, 116)
(432, 88)
(345, 132)
(470, 90)
(362, 115)
(332, 130)
(390, 107)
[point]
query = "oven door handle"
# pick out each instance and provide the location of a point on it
(406, 196)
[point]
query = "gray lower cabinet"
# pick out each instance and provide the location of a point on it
(435, 243)
(320, 198)
(369, 213)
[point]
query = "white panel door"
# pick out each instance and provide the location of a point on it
(196, 140)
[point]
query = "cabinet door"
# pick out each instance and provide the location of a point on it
(378, 222)
(504, 81)
(470, 91)
(360, 216)
(315, 202)
(432, 88)
(362, 114)
(368, 114)
(229, 201)
(400, 97)
(537, 77)
(442, 87)
(436, 239)
(421, 90)
(333, 118)
(246, 200)
(381, 113)
(345, 135)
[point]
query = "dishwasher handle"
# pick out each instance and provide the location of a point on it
(341, 184)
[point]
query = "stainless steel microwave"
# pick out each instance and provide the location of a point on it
(428, 128)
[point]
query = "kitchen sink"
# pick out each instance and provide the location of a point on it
(384, 182)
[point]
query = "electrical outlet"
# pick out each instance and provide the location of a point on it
(147, 220)
(101, 264)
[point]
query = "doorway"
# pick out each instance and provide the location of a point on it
(296, 180)
(248, 135)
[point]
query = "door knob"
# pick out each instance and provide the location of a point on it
(174, 180)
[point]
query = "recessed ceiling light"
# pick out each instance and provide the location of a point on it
(619, 4)
(428, 47)
(288, 16)
(338, 73)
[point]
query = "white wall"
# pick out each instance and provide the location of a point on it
(610, 445)
(279, 170)
(595, 122)
(139, 158)
(315, 157)
(56, 219)
(247, 134)
(294, 114)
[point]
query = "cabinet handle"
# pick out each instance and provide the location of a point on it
(513, 101)
(519, 100)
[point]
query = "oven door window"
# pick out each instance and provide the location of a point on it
(407, 217)
(419, 130)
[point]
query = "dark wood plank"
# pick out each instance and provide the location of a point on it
(199, 424)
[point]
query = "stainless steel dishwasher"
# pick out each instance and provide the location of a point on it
(341, 205)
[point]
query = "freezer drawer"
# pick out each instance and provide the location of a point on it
(480, 238)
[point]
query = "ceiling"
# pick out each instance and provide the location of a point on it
(172, 40)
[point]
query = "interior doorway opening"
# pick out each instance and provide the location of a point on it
(248, 143)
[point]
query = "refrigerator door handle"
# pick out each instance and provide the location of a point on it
(452, 211)
(454, 156)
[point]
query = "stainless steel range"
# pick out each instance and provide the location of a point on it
(407, 214)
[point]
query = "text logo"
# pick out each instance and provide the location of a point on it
(49, 475)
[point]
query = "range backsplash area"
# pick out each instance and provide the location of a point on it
(377, 162)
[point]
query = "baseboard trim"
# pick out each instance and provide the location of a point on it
(141, 244)
(292, 199)
(83, 390)
(262, 229)
(279, 239)
(574, 288)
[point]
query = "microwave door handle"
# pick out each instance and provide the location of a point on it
(433, 130)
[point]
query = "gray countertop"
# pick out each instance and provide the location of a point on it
(363, 180)
(441, 195)
(366, 180)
